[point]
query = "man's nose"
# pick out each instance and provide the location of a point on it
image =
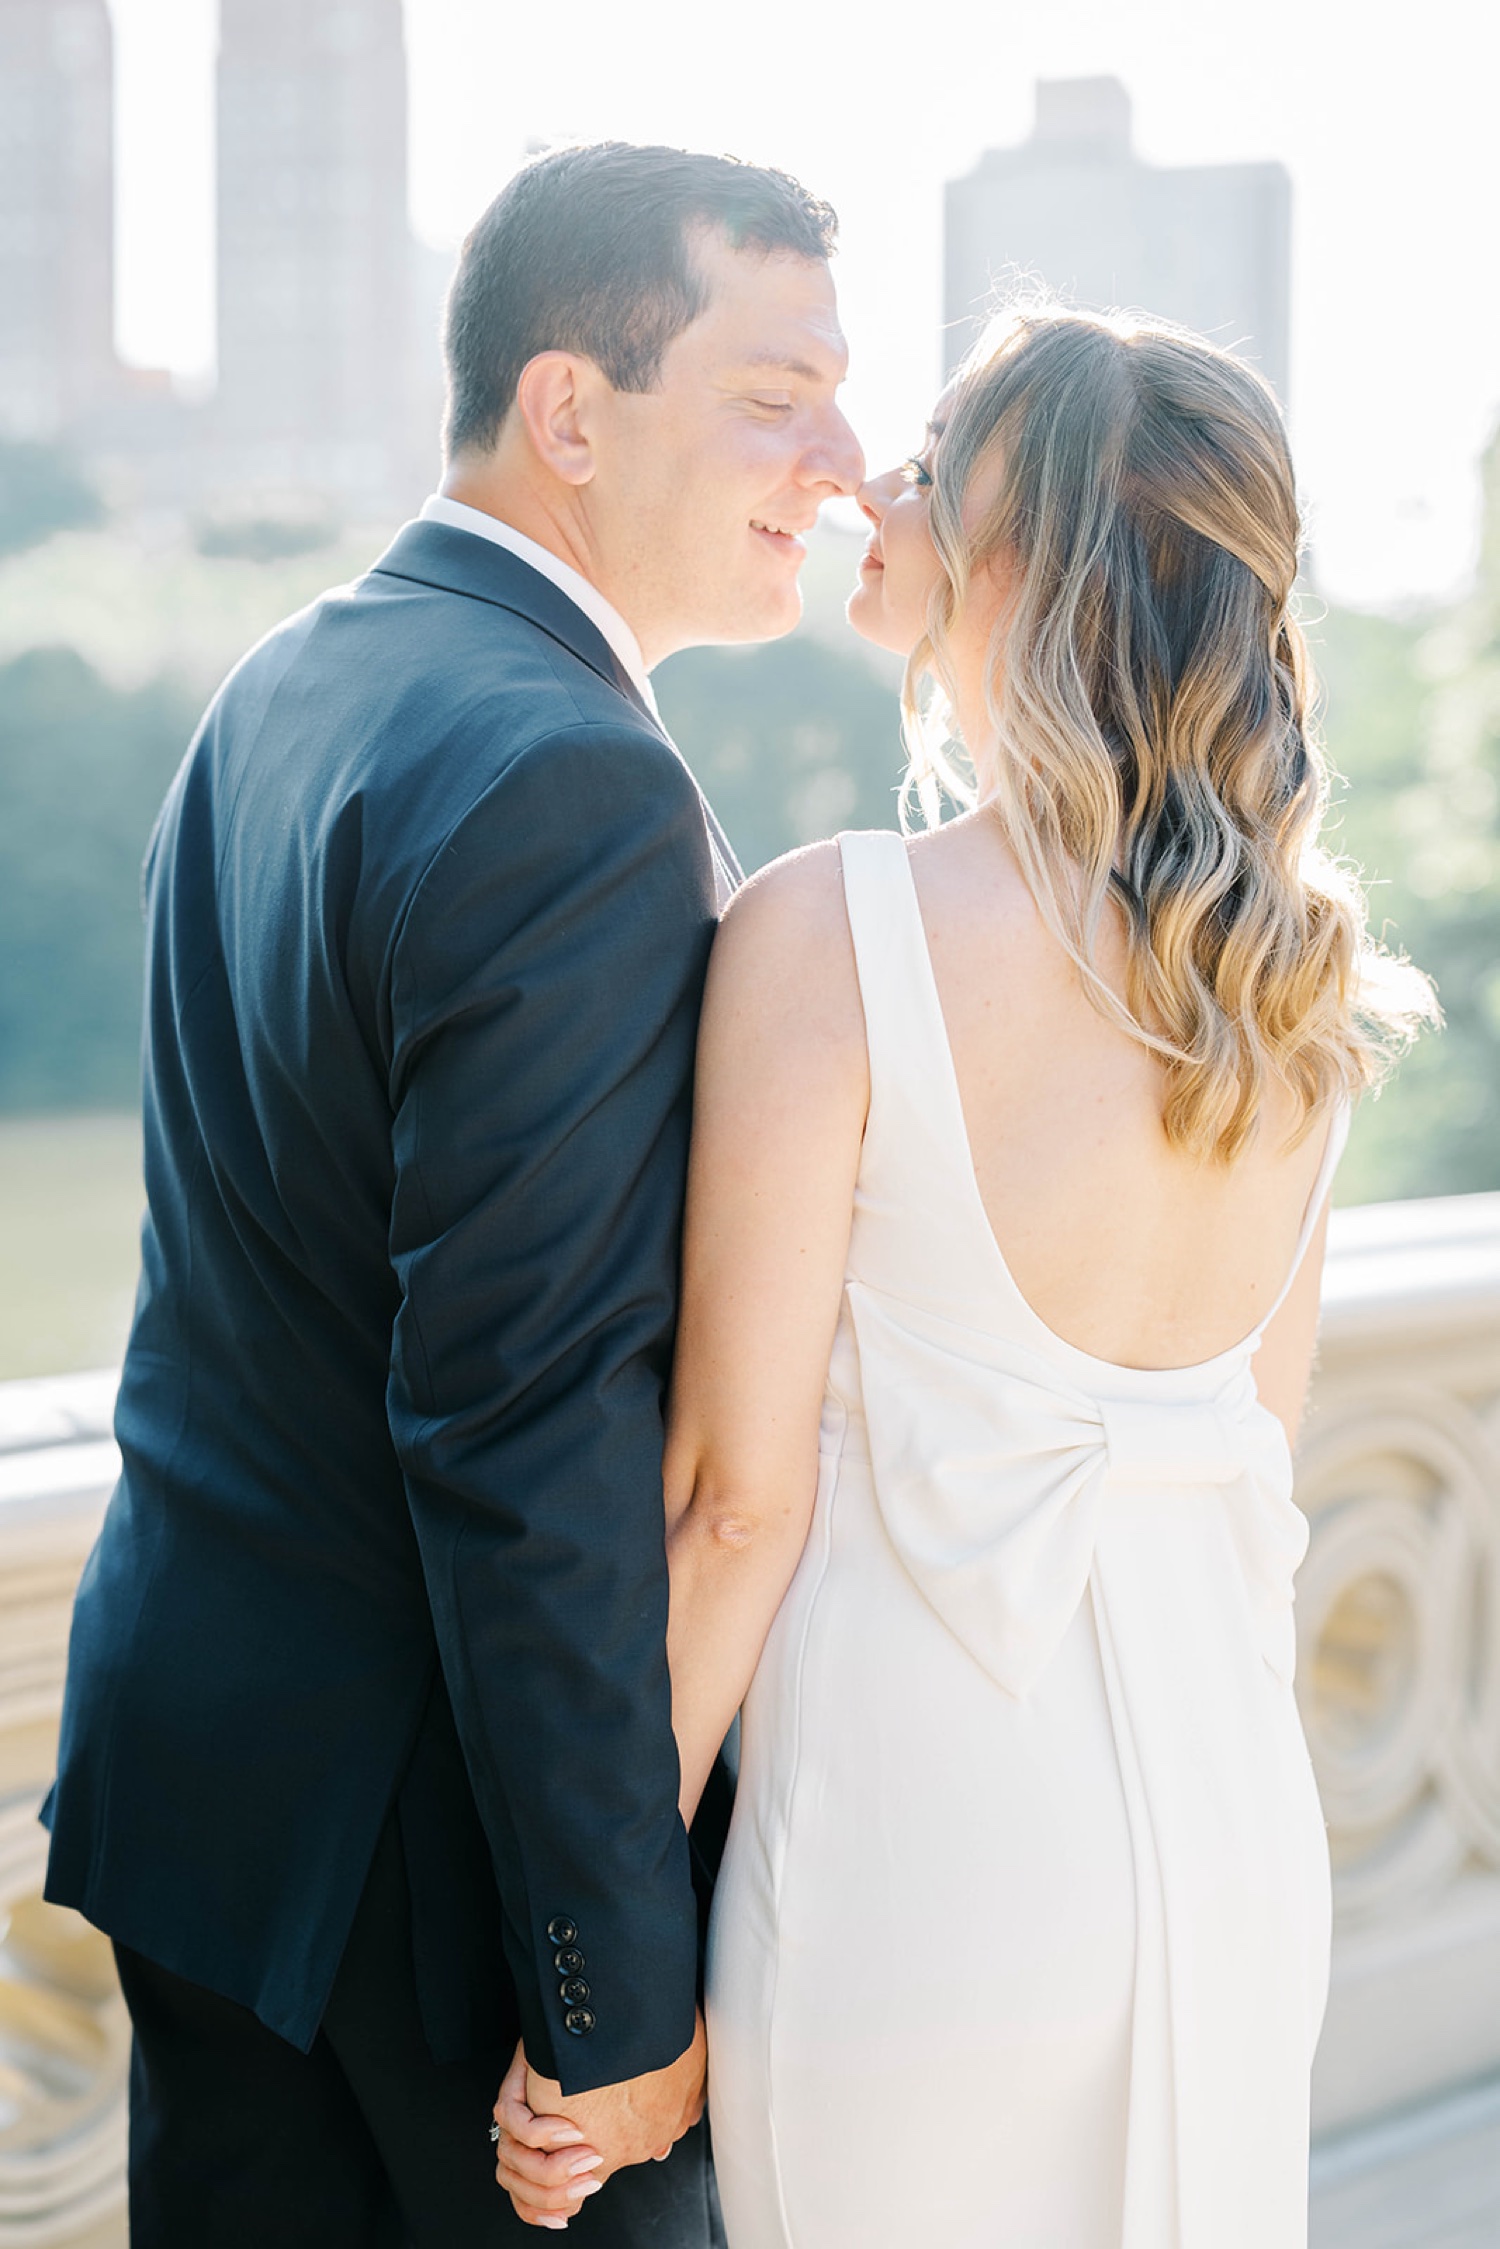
(840, 459)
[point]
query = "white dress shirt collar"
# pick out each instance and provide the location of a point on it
(461, 517)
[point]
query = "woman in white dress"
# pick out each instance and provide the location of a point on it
(1012, 1159)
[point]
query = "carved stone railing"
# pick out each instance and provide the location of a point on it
(64, 2036)
(1399, 1678)
(1398, 1608)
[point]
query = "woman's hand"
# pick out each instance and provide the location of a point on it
(549, 2162)
(543, 2162)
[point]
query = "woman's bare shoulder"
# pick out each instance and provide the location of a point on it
(783, 962)
(795, 898)
(789, 920)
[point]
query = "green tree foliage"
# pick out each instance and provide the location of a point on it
(83, 770)
(42, 490)
(1413, 721)
(1449, 820)
(791, 742)
(1373, 711)
(264, 538)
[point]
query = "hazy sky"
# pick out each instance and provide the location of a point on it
(1388, 121)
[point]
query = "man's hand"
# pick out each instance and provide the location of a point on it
(553, 2153)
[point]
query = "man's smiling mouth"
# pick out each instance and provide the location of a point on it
(776, 532)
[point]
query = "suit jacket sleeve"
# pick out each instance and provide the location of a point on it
(545, 995)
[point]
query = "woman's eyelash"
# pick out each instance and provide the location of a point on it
(916, 471)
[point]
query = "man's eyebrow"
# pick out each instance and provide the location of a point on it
(784, 363)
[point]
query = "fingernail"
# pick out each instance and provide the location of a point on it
(582, 2163)
(595, 2186)
(554, 2225)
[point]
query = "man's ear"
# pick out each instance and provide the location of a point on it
(552, 401)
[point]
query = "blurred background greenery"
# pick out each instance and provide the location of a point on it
(110, 644)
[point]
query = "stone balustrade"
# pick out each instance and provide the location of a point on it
(1399, 1678)
(1398, 1610)
(64, 2035)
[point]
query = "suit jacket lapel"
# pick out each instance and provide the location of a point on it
(438, 554)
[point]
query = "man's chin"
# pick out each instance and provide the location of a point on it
(753, 622)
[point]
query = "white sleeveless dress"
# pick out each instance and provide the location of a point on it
(1021, 1940)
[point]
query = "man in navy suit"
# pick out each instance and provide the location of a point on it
(367, 1764)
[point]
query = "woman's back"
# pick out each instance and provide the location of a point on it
(1131, 1250)
(1021, 1748)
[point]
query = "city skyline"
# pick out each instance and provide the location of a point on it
(328, 381)
(1396, 367)
(57, 342)
(328, 373)
(1207, 246)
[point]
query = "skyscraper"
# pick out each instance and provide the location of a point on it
(57, 356)
(1075, 208)
(319, 387)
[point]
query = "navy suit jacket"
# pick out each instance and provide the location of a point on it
(428, 913)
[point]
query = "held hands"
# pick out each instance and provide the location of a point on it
(552, 2154)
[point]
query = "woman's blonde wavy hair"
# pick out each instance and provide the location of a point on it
(1149, 688)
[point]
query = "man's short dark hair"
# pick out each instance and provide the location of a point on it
(589, 250)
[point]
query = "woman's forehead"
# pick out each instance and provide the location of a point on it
(947, 398)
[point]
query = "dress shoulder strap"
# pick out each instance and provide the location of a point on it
(912, 1088)
(890, 953)
(1333, 1148)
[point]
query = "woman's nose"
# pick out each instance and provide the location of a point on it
(876, 494)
